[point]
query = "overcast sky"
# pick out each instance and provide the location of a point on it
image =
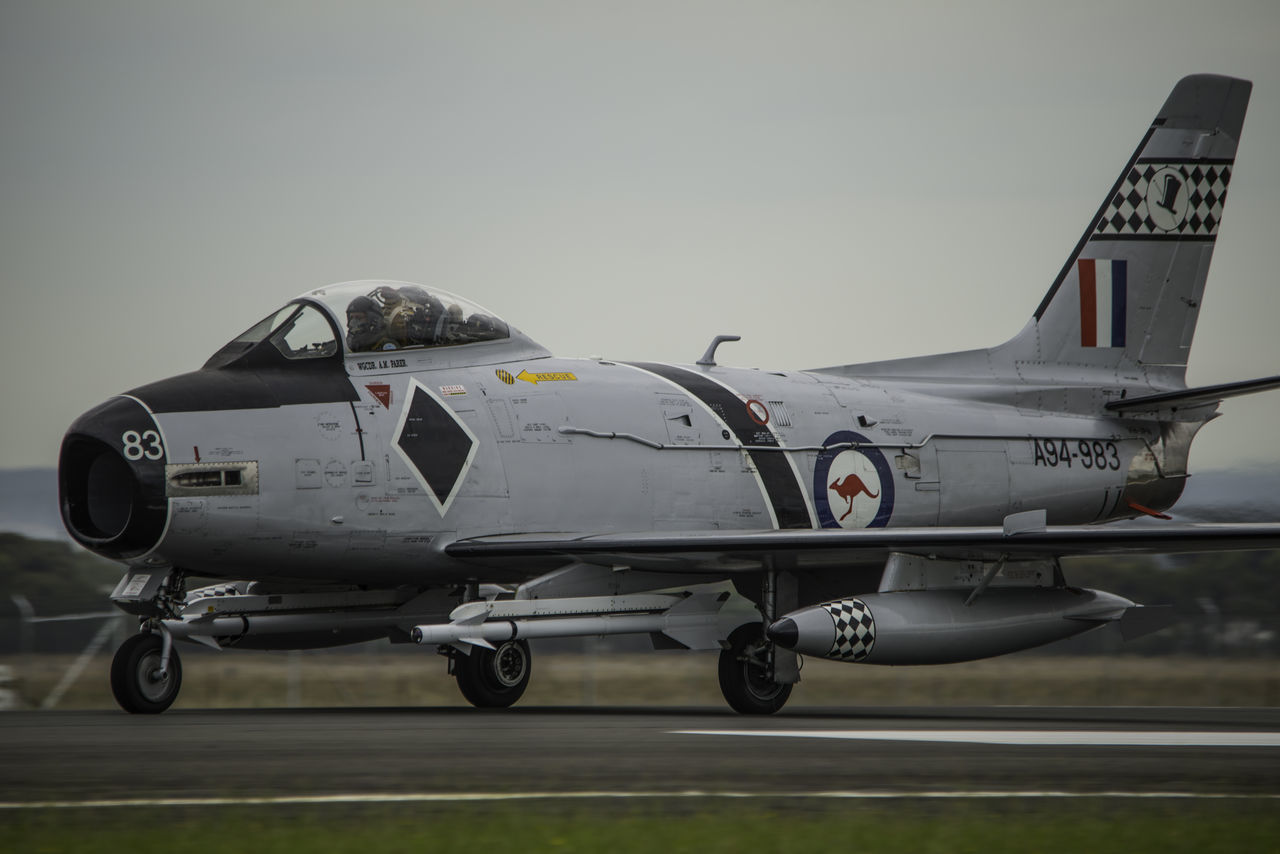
(836, 182)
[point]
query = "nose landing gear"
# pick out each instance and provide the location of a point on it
(142, 681)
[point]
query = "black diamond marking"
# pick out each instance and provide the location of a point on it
(1135, 221)
(1197, 174)
(435, 444)
(1135, 198)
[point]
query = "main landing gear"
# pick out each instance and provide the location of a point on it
(146, 674)
(746, 670)
(756, 677)
(493, 678)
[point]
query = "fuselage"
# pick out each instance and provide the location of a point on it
(360, 467)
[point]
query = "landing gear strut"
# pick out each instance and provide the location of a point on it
(142, 681)
(493, 679)
(745, 673)
(756, 677)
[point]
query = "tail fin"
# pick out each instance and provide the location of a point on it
(1124, 307)
(1126, 302)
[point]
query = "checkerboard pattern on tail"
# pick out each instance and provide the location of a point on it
(1168, 198)
(855, 630)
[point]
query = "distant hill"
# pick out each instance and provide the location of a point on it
(1231, 495)
(29, 504)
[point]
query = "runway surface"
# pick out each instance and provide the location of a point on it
(194, 754)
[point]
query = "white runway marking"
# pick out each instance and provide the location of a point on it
(1081, 738)
(472, 797)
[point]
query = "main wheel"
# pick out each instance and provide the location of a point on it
(744, 674)
(135, 679)
(494, 679)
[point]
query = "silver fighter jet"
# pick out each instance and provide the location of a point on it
(384, 460)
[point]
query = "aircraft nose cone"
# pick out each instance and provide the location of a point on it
(111, 480)
(785, 633)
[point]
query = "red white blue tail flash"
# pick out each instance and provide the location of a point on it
(1103, 294)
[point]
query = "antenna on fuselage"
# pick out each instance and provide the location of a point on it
(708, 359)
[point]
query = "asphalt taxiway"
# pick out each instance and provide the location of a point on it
(241, 753)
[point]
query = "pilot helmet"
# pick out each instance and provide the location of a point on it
(365, 323)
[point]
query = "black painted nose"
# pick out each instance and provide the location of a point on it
(785, 633)
(111, 480)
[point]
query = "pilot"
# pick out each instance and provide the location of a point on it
(409, 325)
(366, 327)
(412, 315)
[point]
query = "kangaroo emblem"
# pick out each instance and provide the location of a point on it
(850, 488)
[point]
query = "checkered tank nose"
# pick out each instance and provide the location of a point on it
(855, 630)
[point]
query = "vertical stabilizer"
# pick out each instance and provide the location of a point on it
(1125, 303)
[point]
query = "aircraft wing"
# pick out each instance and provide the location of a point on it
(744, 551)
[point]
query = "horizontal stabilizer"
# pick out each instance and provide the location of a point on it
(1199, 396)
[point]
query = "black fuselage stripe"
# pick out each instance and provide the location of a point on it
(785, 492)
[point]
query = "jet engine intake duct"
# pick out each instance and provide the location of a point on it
(938, 627)
(111, 480)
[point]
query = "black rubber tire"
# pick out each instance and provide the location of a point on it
(131, 682)
(494, 679)
(743, 678)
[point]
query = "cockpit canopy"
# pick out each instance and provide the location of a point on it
(397, 315)
(373, 316)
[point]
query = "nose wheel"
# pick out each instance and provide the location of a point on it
(494, 678)
(139, 681)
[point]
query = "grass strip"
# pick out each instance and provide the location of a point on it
(1097, 826)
